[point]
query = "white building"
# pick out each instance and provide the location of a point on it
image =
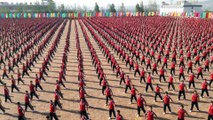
(180, 7)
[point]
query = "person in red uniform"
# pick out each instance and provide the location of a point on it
(197, 60)
(204, 88)
(37, 83)
(182, 88)
(192, 80)
(104, 85)
(181, 73)
(211, 79)
(190, 67)
(83, 107)
(111, 108)
(195, 99)
(149, 83)
(210, 112)
(166, 101)
(162, 74)
(2, 108)
(148, 64)
(122, 76)
(27, 101)
(181, 113)
(142, 75)
(52, 113)
(19, 77)
(119, 116)
(182, 61)
(141, 102)
(21, 112)
(206, 65)
(24, 70)
(6, 93)
(150, 114)
(58, 88)
(171, 83)
(128, 84)
(199, 72)
(5, 73)
(154, 68)
(172, 71)
(108, 93)
(136, 69)
(157, 92)
(41, 76)
(32, 90)
(13, 84)
(133, 94)
(57, 100)
(165, 62)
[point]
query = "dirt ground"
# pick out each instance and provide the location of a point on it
(97, 110)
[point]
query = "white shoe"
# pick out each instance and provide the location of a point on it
(164, 113)
(109, 118)
(190, 111)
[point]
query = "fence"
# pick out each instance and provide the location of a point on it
(104, 14)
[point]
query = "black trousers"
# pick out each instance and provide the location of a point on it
(53, 115)
(181, 75)
(122, 80)
(2, 108)
(107, 99)
(21, 118)
(14, 87)
(141, 108)
(84, 113)
(166, 106)
(180, 94)
(137, 71)
(103, 89)
(20, 80)
(159, 95)
(210, 117)
(33, 94)
(200, 74)
(57, 103)
(7, 97)
(38, 85)
(5, 75)
(171, 84)
(206, 91)
(142, 77)
(149, 85)
(189, 70)
(154, 71)
(191, 83)
(112, 112)
(28, 105)
(194, 104)
(133, 96)
(127, 86)
(172, 71)
(162, 76)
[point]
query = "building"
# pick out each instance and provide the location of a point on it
(180, 7)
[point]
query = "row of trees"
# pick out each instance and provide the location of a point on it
(50, 6)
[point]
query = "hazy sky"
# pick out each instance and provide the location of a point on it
(90, 3)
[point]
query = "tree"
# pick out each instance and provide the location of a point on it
(122, 8)
(137, 8)
(141, 7)
(51, 6)
(96, 9)
(62, 8)
(112, 8)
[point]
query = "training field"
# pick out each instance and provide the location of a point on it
(104, 34)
